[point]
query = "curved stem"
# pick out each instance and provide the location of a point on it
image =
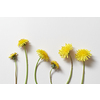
(50, 76)
(26, 66)
(15, 72)
(36, 70)
(83, 72)
(71, 69)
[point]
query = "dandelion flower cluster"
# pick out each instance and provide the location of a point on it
(83, 54)
(55, 64)
(13, 55)
(22, 42)
(42, 54)
(65, 50)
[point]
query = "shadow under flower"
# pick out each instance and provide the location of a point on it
(72, 53)
(28, 47)
(56, 70)
(43, 61)
(90, 62)
(68, 60)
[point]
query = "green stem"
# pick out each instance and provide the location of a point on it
(50, 76)
(26, 66)
(15, 72)
(36, 70)
(82, 82)
(71, 69)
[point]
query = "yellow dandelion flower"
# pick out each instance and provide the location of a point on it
(83, 54)
(22, 42)
(55, 64)
(42, 54)
(65, 50)
(13, 55)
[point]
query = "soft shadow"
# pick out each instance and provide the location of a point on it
(53, 73)
(72, 53)
(90, 62)
(68, 60)
(43, 61)
(59, 70)
(40, 62)
(28, 47)
(56, 70)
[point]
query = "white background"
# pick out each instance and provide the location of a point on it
(49, 34)
(49, 8)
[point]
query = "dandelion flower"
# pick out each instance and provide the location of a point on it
(14, 57)
(42, 55)
(22, 43)
(54, 65)
(83, 55)
(65, 52)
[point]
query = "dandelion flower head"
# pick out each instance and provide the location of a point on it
(13, 55)
(65, 50)
(55, 64)
(22, 42)
(42, 54)
(83, 54)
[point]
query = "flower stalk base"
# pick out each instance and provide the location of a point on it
(71, 69)
(82, 82)
(36, 70)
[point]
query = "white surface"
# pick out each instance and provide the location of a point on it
(49, 34)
